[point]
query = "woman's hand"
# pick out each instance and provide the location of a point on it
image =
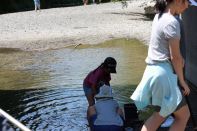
(178, 63)
(186, 89)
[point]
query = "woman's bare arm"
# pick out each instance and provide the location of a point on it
(178, 63)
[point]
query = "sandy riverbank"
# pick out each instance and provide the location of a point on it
(60, 27)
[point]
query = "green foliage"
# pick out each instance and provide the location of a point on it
(8, 6)
(118, 0)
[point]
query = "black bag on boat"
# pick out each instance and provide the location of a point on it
(131, 116)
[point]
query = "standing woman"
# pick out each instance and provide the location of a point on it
(37, 4)
(164, 69)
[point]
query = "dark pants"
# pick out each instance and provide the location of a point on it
(107, 128)
(103, 127)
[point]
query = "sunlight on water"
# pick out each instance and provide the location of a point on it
(44, 89)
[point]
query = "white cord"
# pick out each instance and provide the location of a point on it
(14, 121)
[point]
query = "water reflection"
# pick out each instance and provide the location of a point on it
(44, 89)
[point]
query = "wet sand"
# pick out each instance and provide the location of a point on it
(61, 27)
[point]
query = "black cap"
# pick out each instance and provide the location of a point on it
(110, 63)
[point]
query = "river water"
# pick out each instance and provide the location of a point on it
(43, 89)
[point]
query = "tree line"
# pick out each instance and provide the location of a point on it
(10, 6)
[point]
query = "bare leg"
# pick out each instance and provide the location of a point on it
(90, 112)
(153, 123)
(90, 99)
(180, 119)
(35, 8)
(39, 7)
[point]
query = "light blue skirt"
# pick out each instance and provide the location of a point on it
(158, 87)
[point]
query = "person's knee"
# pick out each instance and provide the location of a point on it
(90, 99)
(92, 109)
(91, 102)
(153, 122)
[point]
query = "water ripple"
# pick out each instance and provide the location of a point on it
(44, 91)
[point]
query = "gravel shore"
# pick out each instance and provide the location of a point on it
(61, 27)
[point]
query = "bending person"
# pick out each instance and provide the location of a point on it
(99, 76)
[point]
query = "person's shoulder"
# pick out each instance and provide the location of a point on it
(100, 70)
(171, 19)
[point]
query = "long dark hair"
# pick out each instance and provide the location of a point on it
(109, 63)
(161, 5)
(102, 65)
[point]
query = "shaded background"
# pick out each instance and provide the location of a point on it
(190, 27)
(9, 6)
(190, 53)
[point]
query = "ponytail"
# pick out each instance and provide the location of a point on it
(161, 5)
(100, 66)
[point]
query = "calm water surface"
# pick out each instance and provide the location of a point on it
(44, 89)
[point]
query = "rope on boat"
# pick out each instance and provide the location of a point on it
(14, 121)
